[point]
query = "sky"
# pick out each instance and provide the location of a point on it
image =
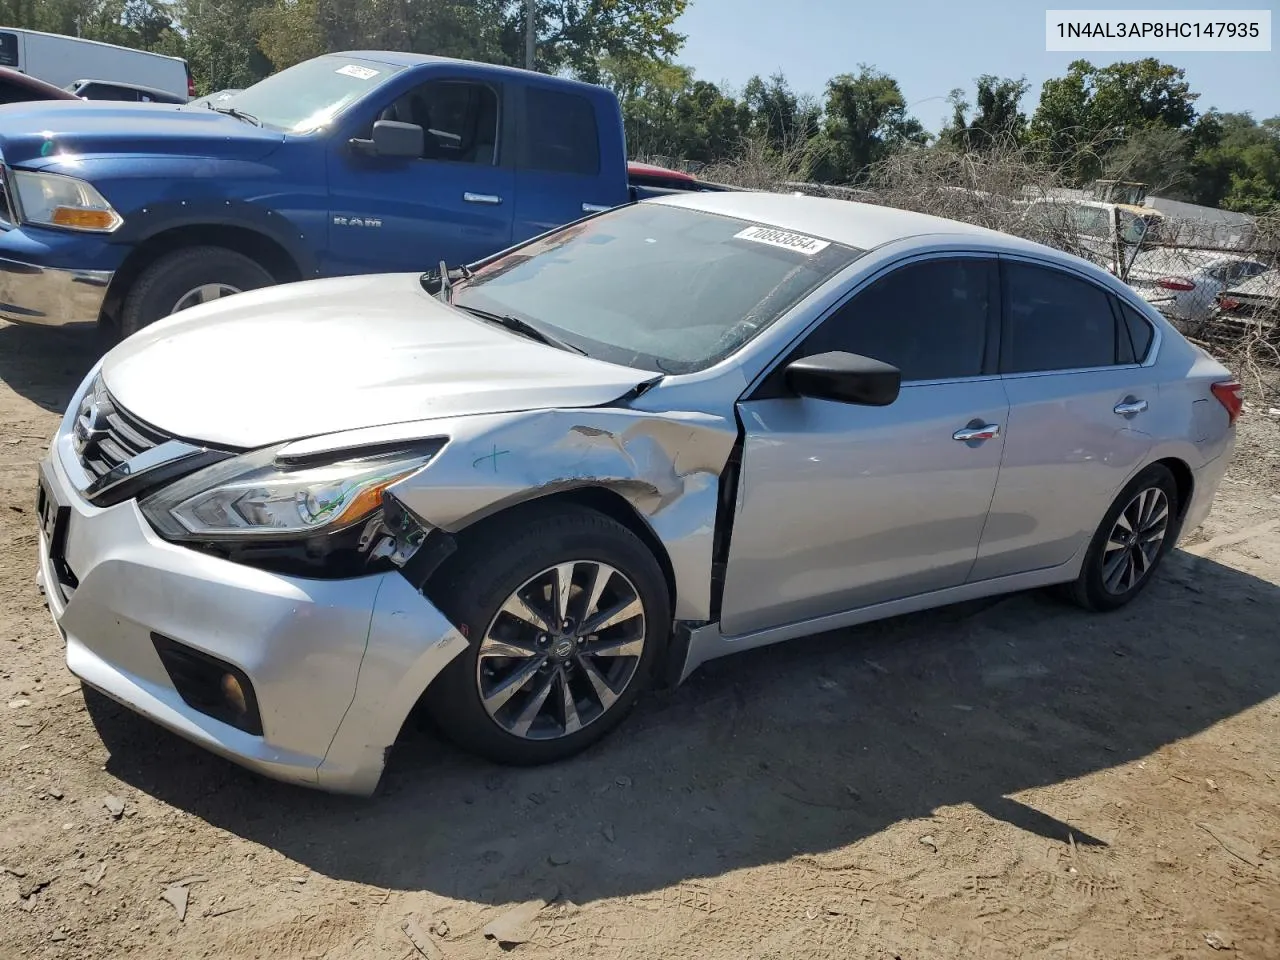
(932, 46)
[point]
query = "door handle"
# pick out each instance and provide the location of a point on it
(492, 199)
(595, 207)
(1130, 407)
(976, 432)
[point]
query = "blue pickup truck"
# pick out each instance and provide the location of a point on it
(349, 163)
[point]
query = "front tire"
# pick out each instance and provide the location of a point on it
(566, 613)
(185, 278)
(1139, 529)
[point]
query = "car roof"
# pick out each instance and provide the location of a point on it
(123, 85)
(861, 225)
(401, 58)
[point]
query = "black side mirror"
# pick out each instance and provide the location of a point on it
(845, 378)
(391, 138)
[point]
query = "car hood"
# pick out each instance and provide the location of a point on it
(40, 133)
(306, 359)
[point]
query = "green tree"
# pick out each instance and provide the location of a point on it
(668, 113)
(142, 24)
(998, 118)
(1084, 115)
(866, 119)
(782, 117)
(1158, 156)
(222, 44)
(572, 34)
(1237, 163)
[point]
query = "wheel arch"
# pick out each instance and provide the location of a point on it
(601, 499)
(1183, 478)
(258, 245)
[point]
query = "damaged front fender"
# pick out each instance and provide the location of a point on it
(666, 465)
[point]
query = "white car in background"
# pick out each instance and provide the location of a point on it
(1184, 284)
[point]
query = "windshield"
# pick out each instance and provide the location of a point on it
(657, 287)
(307, 96)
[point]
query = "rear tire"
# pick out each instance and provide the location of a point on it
(1139, 529)
(513, 563)
(175, 278)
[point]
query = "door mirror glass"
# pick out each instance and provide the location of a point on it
(391, 138)
(845, 378)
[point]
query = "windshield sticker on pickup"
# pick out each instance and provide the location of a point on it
(360, 73)
(781, 238)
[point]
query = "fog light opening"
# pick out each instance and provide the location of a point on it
(209, 685)
(233, 693)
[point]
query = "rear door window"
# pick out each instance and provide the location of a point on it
(1054, 321)
(560, 133)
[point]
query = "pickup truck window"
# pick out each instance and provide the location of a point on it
(459, 120)
(656, 287)
(308, 95)
(562, 135)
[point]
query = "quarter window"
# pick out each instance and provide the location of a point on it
(928, 319)
(562, 135)
(1140, 332)
(1054, 321)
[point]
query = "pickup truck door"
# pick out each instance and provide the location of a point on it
(455, 203)
(571, 160)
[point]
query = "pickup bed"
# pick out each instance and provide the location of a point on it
(349, 163)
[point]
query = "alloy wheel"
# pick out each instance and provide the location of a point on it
(561, 650)
(1135, 541)
(203, 294)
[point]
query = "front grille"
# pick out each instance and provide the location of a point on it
(106, 436)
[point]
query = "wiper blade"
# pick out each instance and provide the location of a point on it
(439, 283)
(238, 114)
(524, 327)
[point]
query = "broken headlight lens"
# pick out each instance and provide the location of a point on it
(256, 496)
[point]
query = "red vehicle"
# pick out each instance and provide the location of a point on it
(17, 87)
(662, 178)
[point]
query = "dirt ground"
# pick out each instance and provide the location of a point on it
(1004, 779)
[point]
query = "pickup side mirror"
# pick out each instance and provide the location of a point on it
(845, 378)
(391, 138)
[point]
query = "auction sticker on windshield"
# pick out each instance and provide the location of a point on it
(360, 73)
(782, 238)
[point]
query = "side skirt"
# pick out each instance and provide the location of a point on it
(708, 643)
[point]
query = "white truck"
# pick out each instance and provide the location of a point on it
(63, 60)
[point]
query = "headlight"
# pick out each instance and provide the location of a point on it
(53, 200)
(253, 496)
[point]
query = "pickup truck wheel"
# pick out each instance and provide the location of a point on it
(566, 613)
(185, 278)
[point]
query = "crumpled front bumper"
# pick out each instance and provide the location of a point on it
(336, 665)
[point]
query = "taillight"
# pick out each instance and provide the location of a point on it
(1175, 283)
(191, 84)
(1231, 395)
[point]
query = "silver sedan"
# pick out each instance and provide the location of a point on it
(520, 493)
